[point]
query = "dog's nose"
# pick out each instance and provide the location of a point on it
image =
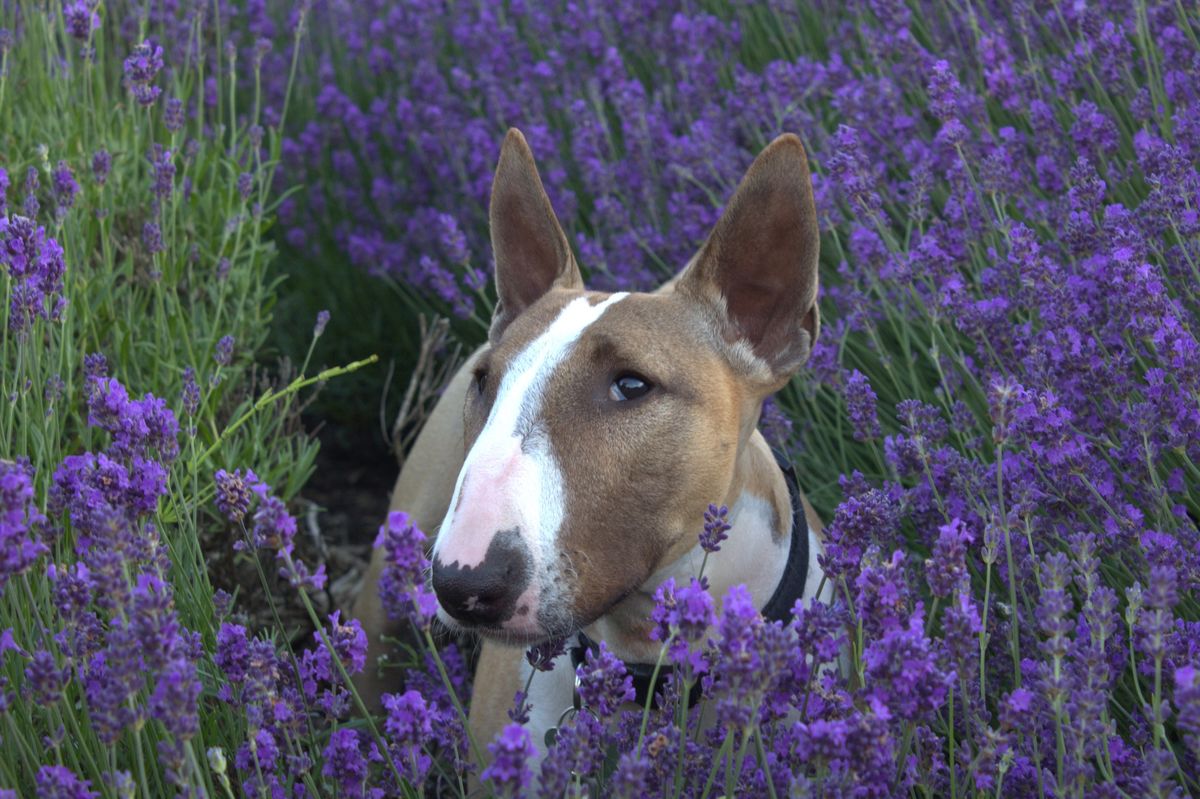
(485, 594)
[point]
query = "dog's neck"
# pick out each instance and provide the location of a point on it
(755, 554)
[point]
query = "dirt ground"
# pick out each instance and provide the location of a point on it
(347, 498)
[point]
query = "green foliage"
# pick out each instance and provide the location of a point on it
(154, 313)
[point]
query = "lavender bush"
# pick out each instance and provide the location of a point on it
(1000, 422)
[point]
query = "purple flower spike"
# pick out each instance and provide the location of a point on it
(101, 165)
(152, 238)
(141, 68)
(1187, 704)
(346, 762)
(36, 263)
(245, 185)
(20, 521)
(81, 19)
(509, 771)
(716, 528)
(322, 321)
(409, 726)
(542, 655)
(604, 684)
(65, 186)
(861, 403)
(943, 92)
(402, 586)
(163, 163)
(235, 491)
(688, 612)
(224, 352)
(59, 782)
(173, 115)
(852, 171)
(947, 569)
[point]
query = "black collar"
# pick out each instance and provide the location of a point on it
(778, 607)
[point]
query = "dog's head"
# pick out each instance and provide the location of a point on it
(600, 426)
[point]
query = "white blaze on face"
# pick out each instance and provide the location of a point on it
(510, 478)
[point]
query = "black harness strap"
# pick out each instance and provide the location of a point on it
(778, 607)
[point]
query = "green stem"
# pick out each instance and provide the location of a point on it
(270, 396)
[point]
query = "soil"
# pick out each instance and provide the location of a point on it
(346, 501)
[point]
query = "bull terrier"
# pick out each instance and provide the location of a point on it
(568, 464)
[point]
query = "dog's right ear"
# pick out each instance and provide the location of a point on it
(531, 251)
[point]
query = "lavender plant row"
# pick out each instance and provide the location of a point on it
(1000, 420)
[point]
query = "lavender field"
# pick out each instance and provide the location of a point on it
(210, 211)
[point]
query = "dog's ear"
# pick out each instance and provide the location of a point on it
(531, 250)
(758, 268)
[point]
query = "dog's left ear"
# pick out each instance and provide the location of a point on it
(758, 268)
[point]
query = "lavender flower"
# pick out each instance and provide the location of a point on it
(173, 115)
(578, 750)
(235, 491)
(943, 91)
(35, 263)
(603, 682)
(139, 428)
(453, 242)
(402, 587)
(775, 425)
(224, 352)
(81, 19)
(409, 725)
(749, 656)
(65, 186)
(509, 771)
(947, 569)
(716, 528)
(190, 393)
(345, 762)
(245, 185)
(542, 655)
(21, 522)
(850, 169)
(322, 321)
(59, 782)
(164, 172)
(1187, 704)
(101, 165)
(683, 615)
(152, 238)
(861, 403)
(44, 678)
(631, 779)
(141, 68)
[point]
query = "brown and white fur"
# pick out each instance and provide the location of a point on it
(567, 466)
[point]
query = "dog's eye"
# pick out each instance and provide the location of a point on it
(481, 380)
(629, 386)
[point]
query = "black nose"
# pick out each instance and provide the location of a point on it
(485, 595)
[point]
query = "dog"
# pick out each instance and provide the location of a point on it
(567, 466)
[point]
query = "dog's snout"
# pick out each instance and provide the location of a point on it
(486, 594)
